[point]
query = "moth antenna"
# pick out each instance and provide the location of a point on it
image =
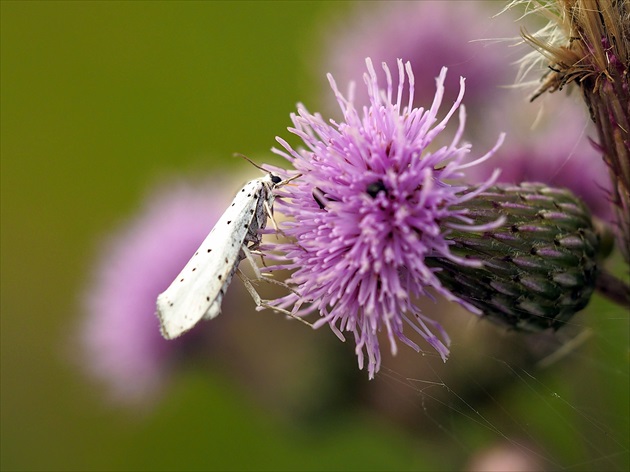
(293, 177)
(284, 182)
(238, 154)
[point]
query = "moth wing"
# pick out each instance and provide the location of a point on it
(198, 290)
(257, 219)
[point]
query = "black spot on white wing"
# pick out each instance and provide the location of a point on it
(209, 250)
(229, 221)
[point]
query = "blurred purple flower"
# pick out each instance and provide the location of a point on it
(120, 334)
(430, 35)
(367, 211)
(552, 146)
(459, 35)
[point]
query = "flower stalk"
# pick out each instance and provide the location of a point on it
(587, 42)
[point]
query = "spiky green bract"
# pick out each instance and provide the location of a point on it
(540, 267)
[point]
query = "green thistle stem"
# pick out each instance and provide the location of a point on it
(613, 288)
(609, 105)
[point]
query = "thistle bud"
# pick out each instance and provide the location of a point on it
(538, 268)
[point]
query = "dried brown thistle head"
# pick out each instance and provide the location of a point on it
(587, 43)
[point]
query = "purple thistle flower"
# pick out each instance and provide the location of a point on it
(368, 210)
(120, 338)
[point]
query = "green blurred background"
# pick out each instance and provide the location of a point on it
(100, 99)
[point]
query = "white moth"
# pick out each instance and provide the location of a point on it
(198, 290)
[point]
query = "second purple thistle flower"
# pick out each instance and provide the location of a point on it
(370, 207)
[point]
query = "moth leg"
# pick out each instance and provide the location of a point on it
(262, 258)
(252, 262)
(269, 212)
(262, 303)
(264, 277)
(270, 280)
(254, 250)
